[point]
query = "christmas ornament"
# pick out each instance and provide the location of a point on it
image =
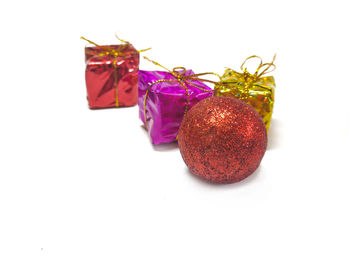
(111, 75)
(222, 139)
(255, 89)
(165, 97)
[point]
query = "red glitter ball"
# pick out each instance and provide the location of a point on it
(222, 139)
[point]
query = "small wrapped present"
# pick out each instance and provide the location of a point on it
(255, 89)
(164, 99)
(111, 75)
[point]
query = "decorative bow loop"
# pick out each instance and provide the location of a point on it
(115, 52)
(261, 70)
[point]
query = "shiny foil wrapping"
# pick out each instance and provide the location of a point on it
(258, 93)
(167, 103)
(111, 81)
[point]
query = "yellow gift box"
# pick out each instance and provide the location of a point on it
(255, 89)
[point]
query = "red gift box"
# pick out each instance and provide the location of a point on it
(111, 75)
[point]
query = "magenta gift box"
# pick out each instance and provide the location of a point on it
(166, 102)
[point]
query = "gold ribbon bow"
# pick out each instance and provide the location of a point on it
(115, 53)
(267, 66)
(246, 79)
(179, 76)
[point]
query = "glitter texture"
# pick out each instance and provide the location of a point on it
(222, 139)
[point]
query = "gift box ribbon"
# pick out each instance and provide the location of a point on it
(115, 53)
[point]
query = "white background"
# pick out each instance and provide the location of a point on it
(78, 185)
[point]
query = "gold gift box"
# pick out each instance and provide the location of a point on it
(257, 90)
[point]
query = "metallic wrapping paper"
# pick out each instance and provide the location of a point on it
(111, 81)
(166, 103)
(259, 93)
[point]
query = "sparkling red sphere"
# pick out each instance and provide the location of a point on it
(222, 139)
